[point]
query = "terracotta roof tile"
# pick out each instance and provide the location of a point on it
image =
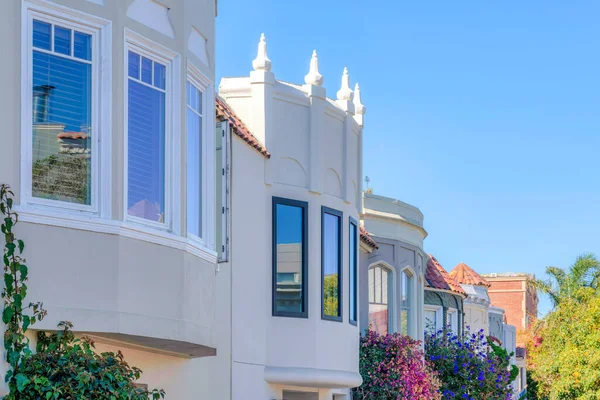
(438, 278)
(224, 112)
(367, 239)
(467, 276)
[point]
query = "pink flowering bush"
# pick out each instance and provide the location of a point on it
(393, 367)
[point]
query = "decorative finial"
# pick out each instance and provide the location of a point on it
(358, 105)
(314, 77)
(262, 62)
(345, 93)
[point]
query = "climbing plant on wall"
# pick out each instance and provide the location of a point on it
(64, 366)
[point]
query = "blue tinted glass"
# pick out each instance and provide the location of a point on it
(41, 35)
(146, 144)
(62, 40)
(134, 65)
(61, 131)
(159, 75)
(83, 46)
(147, 70)
(353, 272)
(289, 251)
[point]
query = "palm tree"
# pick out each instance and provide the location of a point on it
(565, 284)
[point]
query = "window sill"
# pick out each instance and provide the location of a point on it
(113, 227)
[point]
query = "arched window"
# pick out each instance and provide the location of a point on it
(406, 303)
(379, 289)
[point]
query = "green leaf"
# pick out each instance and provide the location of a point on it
(22, 381)
(21, 246)
(7, 314)
(23, 270)
(26, 322)
(8, 283)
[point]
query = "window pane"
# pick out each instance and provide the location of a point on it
(372, 285)
(41, 35)
(331, 265)
(378, 318)
(404, 289)
(430, 321)
(194, 170)
(146, 70)
(384, 286)
(159, 75)
(404, 322)
(83, 46)
(377, 285)
(134, 65)
(61, 132)
(146, 151)
(353, 272)
(289, 246)
(62, 40)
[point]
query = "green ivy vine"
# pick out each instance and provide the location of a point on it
(64, 367)
(16, 316)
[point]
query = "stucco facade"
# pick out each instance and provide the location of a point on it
(148, 291)
(397, 228)
(315, 152)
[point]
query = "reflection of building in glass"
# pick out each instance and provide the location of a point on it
(289, 277)
(378, 300)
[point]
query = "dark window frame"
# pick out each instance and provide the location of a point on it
(353, 289)
(340, 215)
(304, 206)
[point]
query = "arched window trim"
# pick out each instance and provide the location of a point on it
(392, 295)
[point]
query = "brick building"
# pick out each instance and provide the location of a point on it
(514, 293)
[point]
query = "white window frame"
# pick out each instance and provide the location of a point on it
(452, 319)
(439, 316)
(204, 85)
(101, 96)
(412, 302)
(149, 49)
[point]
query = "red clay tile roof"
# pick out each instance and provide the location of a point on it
(465, 275)
(367, 239)
(225, 113)
(438, 278)
(72, 135)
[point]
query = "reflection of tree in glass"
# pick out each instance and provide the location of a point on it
(61, 178)
(330, 295)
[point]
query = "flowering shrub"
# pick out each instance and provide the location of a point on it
(393, 367)
(467, 368)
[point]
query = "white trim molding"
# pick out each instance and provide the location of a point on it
(172, 184)
(439, 316)
(100, 31)
(202, 83)
(114, 227)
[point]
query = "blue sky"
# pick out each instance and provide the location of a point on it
(485, 115)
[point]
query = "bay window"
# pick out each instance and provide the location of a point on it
(146, 112)
(290, 258)
(379, 293)
(194, 159)
(62, 151)
(331, 264)
(406, 303)
(152, 163)
(353, 269)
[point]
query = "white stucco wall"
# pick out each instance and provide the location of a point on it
(315, 157)
(104, 282)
